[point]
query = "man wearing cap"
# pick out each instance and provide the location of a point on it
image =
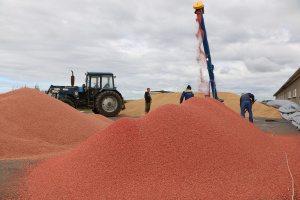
(246, 102)
(187, 93)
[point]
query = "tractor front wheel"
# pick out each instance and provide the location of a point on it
(108, 103)
(69, 101)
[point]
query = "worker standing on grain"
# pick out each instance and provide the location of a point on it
(246, 102)
(148, 100)
(188, 93)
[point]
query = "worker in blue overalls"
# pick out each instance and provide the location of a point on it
(187, 93)
(246, 102)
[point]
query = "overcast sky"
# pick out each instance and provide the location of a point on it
(254, 44)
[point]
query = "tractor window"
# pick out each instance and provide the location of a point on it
(95, 82)
(107, 81)
(87, 81)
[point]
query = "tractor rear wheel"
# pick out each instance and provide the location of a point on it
(95, 111)
(69, 101)
(108, 103)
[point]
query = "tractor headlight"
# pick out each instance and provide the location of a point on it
(76, 93)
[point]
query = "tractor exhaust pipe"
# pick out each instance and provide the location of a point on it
(72, 79)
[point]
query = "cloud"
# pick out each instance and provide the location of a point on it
(261, 65)
(148, 43)
(224, 70)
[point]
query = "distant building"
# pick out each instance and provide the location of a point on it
(291, 89)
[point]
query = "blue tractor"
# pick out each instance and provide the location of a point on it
(98, 93)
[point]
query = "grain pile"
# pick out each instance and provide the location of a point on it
(136, 108)
(291, 145)
(34, 125)
(200, 149)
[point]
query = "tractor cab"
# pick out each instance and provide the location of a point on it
(98, 81)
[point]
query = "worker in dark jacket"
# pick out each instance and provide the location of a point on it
(148, 100)
(246, 102)
(187, 94)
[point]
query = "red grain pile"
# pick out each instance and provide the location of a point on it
(291, 145)
(33, 124)
(200, 149)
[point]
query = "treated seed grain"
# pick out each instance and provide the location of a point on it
(200, 149)
(35, 125)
